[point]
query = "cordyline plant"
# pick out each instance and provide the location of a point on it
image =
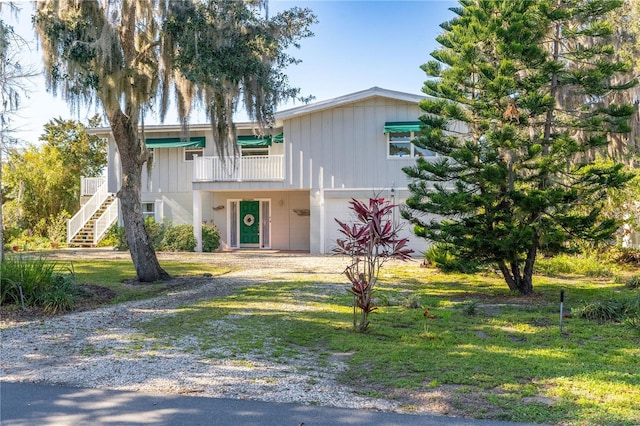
(370, 241)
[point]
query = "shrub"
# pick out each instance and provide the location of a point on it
(441, 256)
(601, 310)
(470, 308)
(32, 275)
(166, 237)
(61, 294)
(40, 284)
(210, 238)
(57, 227)
(412, 301)
(623, 256)
(369, 242)
(611, 310)
(155, 230)
(178, 238)
(111, 238)
(633, 282)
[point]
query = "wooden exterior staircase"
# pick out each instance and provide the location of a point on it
(88, 226)
(86, 237)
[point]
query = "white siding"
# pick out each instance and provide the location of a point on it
(346, 147)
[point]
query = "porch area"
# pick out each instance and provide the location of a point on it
(250, 168)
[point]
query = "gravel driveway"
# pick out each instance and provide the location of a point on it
(54, 350)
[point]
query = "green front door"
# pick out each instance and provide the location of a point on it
(249, 222)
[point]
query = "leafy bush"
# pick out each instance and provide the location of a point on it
(633, 282)
(611, 310)
(574, 265)
(441, 256)
(622, 256)
(155, 230)
(178, 238)
(166, 237)
(210, 238)
(61, 294)
(27, 240)
(38, 282)
(111, 238)
(413, 301)
(470, 308)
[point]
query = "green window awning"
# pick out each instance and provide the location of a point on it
(254, 141)
(155, 143)
(402, 126)
(259, 141)
(279, 138)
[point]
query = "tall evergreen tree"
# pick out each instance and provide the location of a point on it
(527, 84)
(125, 55)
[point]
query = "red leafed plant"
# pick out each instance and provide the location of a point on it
(370, 241)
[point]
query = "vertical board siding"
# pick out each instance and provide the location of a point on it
(348, 144)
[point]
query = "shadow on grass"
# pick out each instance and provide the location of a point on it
(508, 355)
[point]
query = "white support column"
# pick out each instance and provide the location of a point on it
(197, 219)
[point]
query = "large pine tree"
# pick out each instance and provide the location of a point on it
(529, 83)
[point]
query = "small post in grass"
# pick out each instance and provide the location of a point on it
(561, 308)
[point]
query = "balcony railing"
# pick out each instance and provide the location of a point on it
(90, 185)
(254, 168)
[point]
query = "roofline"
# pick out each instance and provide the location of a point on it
(285, 114)
(347, 99)
(158, 128)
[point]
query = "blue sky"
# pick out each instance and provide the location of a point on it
(357, 45)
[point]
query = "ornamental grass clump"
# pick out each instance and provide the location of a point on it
(370, 241)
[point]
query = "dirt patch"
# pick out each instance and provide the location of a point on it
(449, 400)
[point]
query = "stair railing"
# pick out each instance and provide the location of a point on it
(77, 222)
(104, 222)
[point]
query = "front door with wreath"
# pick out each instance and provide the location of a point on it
(250, 223)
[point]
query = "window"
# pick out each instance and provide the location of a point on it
(254, 151)
(149, 210)
(400, 135)
(400, 145)
(189, 153)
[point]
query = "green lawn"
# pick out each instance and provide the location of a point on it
(503, 352)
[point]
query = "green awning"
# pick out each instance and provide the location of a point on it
(175, 142)
(254, 141)
(279, 138)
(402, 126)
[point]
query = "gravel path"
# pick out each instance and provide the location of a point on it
(102, 348)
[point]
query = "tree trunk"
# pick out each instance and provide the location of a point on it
(522, 283)
(132, 158)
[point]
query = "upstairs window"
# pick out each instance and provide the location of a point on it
(190, 153)
(400, 136)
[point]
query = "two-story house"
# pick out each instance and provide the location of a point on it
(286, 189)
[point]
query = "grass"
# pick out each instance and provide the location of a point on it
(504, 359)
(112, 274)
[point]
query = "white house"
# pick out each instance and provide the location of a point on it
(286, 189)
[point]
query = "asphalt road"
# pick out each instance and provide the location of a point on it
(28, 404)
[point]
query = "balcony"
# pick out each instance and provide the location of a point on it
(253, 168)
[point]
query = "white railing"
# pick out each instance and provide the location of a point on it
(104, 222)
(77, 222)
(254, 168)
(90, 185)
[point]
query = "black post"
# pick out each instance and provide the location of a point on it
(561, 308)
